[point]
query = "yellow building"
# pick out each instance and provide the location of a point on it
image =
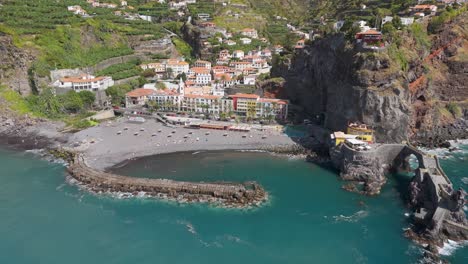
(365, 132)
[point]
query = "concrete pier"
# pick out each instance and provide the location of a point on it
(225, 194)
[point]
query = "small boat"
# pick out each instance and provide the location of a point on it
(125, 128)
(197, 139)
(173, 132)
(207, 133)
(225, 134)
(244, 136)
(119, 132)
(142, 129)
(153, 135)
(190, 132)
(159, 130)
(263, 137)
(169, 135)
(186, 136)
(135, 134)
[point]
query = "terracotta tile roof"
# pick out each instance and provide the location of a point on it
(371, 32)
(219, 76)
(268, 100)
(243, 95)
(140, 92)
(200, 70)
(209, 97)
(81, 79)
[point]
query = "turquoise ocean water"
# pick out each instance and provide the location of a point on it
(309, 219)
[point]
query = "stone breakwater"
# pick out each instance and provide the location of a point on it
(223, 193)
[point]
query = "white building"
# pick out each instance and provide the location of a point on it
(202, 75)
(202, 103)
(84, 82)
(238, 54)
(250, 79)
(166, 99)
(245, 41)
(177, 66)
(250, 32)
(203, 64)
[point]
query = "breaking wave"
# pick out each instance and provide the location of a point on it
(451, 246)
(351, 218)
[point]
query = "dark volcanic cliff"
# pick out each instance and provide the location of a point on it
(332, 80)
(337, 83)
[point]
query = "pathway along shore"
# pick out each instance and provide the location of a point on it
(224, 194)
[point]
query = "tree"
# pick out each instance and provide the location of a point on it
(169, 73)
(161, 86)
(148, 73)
(87, 97)
(72, 102)
(182, 75)
(251, 112)
(46, 103)
(396, 22)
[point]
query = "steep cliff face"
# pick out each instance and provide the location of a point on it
(333, 81)
(14, 65)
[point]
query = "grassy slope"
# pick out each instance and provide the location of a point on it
(65, 40)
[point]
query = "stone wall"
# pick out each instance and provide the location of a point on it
(227, 194)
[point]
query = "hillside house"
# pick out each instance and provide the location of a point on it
(138, 97)
(203, 64)
(245, 41)
(370, 36)
(238, 54)
(84, 82)
(425, 9)
(249, 32)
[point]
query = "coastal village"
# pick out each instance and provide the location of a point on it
(139, 78)
(199, 88)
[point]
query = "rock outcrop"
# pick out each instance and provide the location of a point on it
(336, 82)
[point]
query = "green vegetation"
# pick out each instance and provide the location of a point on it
(183, 48)
(117, 92)
(71, 107)
(454, 109)
(65, 40)
(447, 15)
(122, 70)
(15, 101)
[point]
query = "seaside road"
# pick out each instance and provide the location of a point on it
(116, 141)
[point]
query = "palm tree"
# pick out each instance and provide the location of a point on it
(251, 111)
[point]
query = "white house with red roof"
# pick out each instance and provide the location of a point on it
(84, 82)
(138, 97)
(249, 32)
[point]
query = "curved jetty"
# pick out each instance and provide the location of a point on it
(223, 193)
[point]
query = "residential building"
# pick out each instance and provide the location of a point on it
(168, 100)
(202, 103)
(370, 36)
(77, 10)
(230, 42)
(426, 9)
(245, 41)
(240, 65)
(300, 44)
(250, 79)
(238, 54)
(250, 32)
(138, 97)
(202, 75)
(254, 106)
(177, 66)
(203, 64)
(156, 66)
(84, 82)
(224, 54)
